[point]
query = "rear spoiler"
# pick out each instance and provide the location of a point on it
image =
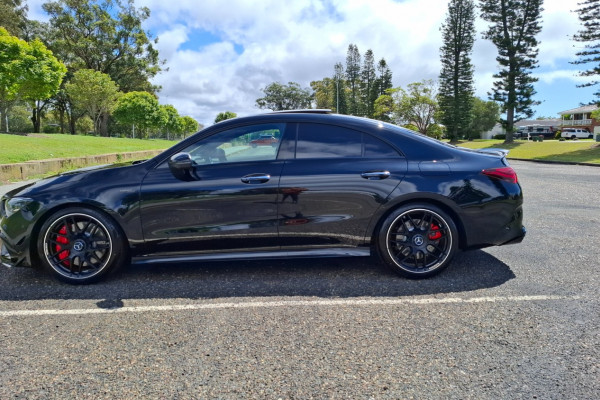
(496, 151)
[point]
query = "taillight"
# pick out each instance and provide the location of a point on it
(505, 173)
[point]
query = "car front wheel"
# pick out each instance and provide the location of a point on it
(417, 240)
(80, 245)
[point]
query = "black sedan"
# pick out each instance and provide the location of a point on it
(333, 185)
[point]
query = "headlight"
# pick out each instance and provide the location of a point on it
(16, 204)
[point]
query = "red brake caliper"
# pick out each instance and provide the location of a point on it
(435, 234)
(62, 238)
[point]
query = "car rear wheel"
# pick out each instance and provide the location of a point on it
(417, 240)
(80, 245)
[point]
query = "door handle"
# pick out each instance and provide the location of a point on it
(256, 178)
(375, 175)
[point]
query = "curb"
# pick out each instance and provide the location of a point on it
(554, 162)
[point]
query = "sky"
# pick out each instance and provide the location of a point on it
(221, 54)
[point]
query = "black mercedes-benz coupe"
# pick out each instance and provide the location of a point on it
(330, 185)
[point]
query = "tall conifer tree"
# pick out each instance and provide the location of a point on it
(368, 90)
(384, 79)
(353, 79)
(456, 77)
(589, 15)
(513, 27)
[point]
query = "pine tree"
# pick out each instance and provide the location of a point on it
(456, 77)
(353, 79)
(513, 27)
(384, 79)
(368, 89)
(341, 105)
(589, 15)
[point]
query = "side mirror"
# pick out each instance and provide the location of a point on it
(180, 161)
(180, 165)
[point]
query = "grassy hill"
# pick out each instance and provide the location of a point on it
(14, 148)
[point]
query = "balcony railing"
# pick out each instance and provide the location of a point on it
(575, 122)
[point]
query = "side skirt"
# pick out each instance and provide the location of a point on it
(333, 252)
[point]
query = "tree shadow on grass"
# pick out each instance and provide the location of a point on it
(325, 278)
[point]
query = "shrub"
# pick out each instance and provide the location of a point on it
(557, 135)
(500, 136)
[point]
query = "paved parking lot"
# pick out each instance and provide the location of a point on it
(509, 322)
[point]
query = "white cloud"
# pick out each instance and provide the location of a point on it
(301, 41)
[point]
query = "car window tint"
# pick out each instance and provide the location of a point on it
(375, 148)
(241, 144)
(327, 141)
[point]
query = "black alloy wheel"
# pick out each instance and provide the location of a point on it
(80, 245)
(418, 240)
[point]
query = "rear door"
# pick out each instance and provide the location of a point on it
(333, 182)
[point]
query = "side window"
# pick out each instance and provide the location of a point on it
(246, 143)
(327, 141)
(375, 148)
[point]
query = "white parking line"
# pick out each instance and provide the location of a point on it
(285, 303)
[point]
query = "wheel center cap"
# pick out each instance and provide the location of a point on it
(78, 245)
(418, 240)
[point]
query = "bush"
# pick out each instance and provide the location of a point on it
(557, 135)
(561, 139)
(51, 128)
(500, 136)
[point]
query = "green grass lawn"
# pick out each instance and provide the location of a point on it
(14, 148)
(587, 151)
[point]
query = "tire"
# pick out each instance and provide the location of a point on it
(79, 245)
(417, 240)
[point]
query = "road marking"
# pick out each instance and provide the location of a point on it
(284, 303)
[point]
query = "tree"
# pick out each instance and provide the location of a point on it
(189, 125)
(222, 116)
(13, 16)
(384, 108)
(485, 114)
(589, 15)
(341, 104)
(324, 93)
(367, 84)
(514, 25)
(44, 75)
(106, 36)
(140, 110)
(417, 105)
(284, 97)
(172, 122)
(456, 76)
(28, 71)
(384, 79)
(12, 51)
(353, 79)
(93, 92)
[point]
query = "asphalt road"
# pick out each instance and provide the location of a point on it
(512, 322)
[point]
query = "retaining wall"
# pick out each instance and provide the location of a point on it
(31, 169)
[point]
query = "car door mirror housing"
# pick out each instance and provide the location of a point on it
(181, 166)
(180, 162)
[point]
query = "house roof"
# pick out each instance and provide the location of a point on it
(580, 110)
(541, 122)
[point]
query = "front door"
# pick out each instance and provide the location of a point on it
(227, 201)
